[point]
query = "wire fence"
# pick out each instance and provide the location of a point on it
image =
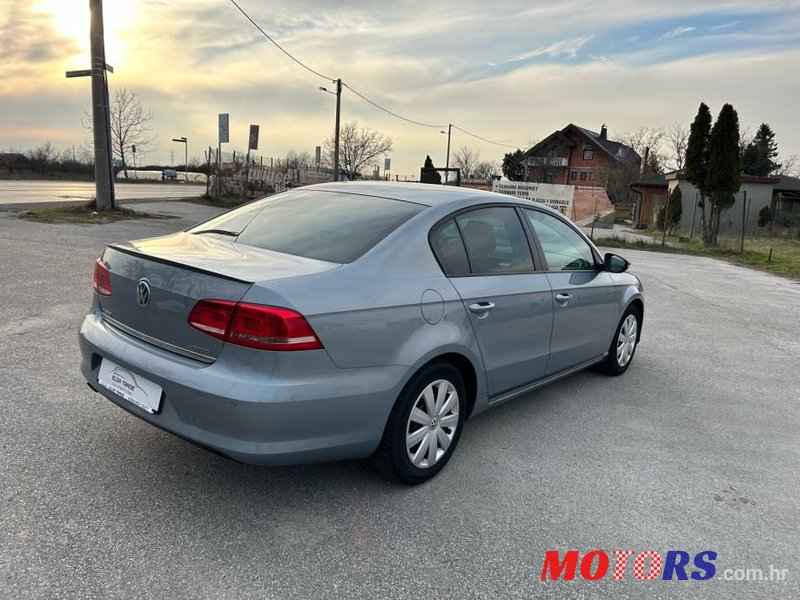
(253, 175)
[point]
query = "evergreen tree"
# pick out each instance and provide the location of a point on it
(513, 167)
(675, 211)
(429, 173)
(724, 168)
(697, 158)
(759, 155)
(675, 208)
(765, 217)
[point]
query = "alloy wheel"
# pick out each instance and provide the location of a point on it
(432, 423)
(626, 340)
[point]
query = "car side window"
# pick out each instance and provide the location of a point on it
(495, 241)
(449, 249)
(564, 249)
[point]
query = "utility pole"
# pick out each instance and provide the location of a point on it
(336, 134)
(208, 170)
(447, 165)
(338, 95)
(447, 160)
(101, 118)
(103, 168)
(744, 220)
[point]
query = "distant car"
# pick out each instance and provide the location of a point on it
(169, 174)
(349, 320)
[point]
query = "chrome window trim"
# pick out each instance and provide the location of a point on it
(159, 343)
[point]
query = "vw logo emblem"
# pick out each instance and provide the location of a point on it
(143, 292)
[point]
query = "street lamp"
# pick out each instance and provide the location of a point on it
(185, 142)
(338, 94)
(447, 166)
(135, 174)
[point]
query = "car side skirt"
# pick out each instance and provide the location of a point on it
(509, 395)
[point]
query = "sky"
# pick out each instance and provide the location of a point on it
(507, 71)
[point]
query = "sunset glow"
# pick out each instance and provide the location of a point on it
(70, 19)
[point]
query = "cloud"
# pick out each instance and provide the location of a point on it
(562, 49)
(727, 25)
(435, 62)
(678, 31)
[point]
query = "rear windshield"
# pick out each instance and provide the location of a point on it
(327, 226)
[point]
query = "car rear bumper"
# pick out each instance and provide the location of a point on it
(296, 409)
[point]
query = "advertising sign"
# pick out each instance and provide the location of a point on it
(224, 129)
(253, 145)
(558, 197)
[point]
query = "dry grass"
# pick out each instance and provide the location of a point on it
(85, 213)
(784, 259)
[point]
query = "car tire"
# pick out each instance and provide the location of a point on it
(430, 410)
(623, 344)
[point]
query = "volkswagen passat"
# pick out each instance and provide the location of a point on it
(350, 320)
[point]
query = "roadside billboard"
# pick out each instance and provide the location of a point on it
(558, 197)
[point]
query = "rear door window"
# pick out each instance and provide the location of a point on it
(495, 241)
(329, 226)
(449, 249)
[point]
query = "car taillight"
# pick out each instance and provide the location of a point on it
(212, 317)
(254, 325)
(101, 281)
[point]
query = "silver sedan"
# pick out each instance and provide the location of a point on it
(353, 320)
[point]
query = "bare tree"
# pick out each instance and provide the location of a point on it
(359, 147)
(790, 165)
(745, 137)
(296, 160)
(42, 156)
(642, 138)
(465, 159)
(621, 174)
(676, 139)
(618, 180)
(485, 169)
(129, 126)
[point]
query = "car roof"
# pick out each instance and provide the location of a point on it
(420, 193)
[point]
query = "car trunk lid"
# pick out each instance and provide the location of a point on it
(155, 283)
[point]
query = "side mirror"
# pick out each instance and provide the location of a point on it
(613, 263)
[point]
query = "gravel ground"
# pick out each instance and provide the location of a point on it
(695, 448)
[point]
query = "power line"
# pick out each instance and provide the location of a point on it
(484, 139)
(357, 93)
(386, 110)
(278, 46)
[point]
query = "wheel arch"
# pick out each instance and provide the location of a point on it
(639, 305)
(468, 375)
(464, 365)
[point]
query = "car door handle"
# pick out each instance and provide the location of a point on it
(563, 297)
(481, 308)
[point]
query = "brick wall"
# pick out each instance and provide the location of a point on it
(589, 172)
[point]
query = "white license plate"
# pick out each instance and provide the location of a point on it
(128, 385)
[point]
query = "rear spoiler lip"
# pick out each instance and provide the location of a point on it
(129, 249)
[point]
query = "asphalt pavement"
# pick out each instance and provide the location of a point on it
(695, 448)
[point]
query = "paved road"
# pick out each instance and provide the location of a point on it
(30, 192)
(695, 448)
